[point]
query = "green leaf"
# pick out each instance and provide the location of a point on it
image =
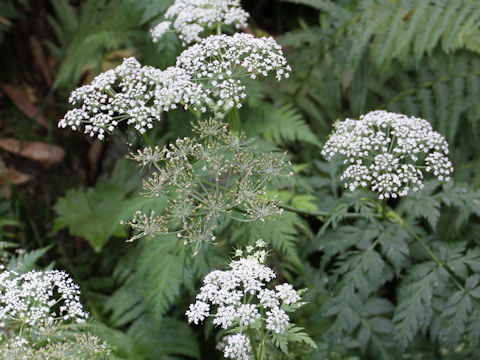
(25, 262)
(161, 339)
(93, 214)
(291, 335)
(280, 124)
(162, 270)
(414, 308)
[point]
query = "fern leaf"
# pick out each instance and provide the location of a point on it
(422, 41)
(414, 23)
(23, 263)
(281, 124)
(126, 303)
(280, 231)
(162, 271)
(167, 338)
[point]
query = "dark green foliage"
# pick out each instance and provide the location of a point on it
(102, 207)
(100, 27)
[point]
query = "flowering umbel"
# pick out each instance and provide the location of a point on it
(210, 177)
(39, 298)
(132, 93)
(220, 62)
(240, 301)
(207, 75)
(191, 18)
(388, 153)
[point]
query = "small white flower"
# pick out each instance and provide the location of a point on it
(277, 320)
(198, 312)
(238, 347)
(30, 297)
(225, 316)
(268, 298)
(220, 62)
(131, 93)
(248, 314)
(287, 294)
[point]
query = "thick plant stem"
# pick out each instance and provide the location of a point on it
(252, 344)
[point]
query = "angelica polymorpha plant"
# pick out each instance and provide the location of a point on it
(254, 315)
(388, 153)
(208, 178)
(191, 19)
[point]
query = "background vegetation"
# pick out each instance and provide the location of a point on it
(374, 292)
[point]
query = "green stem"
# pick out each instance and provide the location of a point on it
(196, 113)
(252, 344)
(234, 120)
(147, 139)
(262, 335)
(219, 29)
(384, 207)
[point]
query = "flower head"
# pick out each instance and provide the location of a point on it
(237, 347)
(38, 298)
(132, 93)
(192, 17)
(220, 62)
(388, 153)
(240, 300)
(227, 290)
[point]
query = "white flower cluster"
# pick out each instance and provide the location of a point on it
(206, 75)
(237, 347)
(221, 61)
(388, 152)
(131, 93)
(39, 298)
(191, 17)
(228, 291)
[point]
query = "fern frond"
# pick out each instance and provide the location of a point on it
(397, 30)
(280, 124)
(439, 91)
(281, 232)
(84, 38)
(162, 271)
